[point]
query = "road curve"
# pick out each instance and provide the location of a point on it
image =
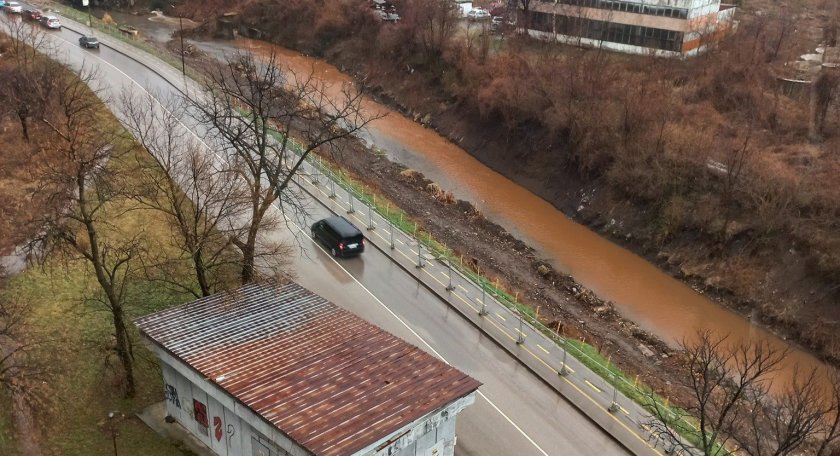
(517, 414)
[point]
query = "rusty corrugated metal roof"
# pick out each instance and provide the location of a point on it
(326, 378)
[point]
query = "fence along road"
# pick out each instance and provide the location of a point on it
(551, 358)
(588, 392)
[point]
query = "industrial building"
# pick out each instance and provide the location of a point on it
(673, 28)
(278, 370)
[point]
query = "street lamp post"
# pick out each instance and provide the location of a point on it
(181, 36)
(87, 3)
(111, 427)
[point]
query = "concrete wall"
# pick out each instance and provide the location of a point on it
(227, 434)
(235, 430)
(242, 430)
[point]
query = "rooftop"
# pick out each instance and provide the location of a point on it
(326, 378)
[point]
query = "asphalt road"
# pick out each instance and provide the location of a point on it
(516, 413)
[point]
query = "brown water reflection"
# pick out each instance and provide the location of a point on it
(641, 292)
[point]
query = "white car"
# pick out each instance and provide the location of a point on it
(477, 14)
(14, 7)
(51, 22)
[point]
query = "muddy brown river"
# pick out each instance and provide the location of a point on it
(640, 291)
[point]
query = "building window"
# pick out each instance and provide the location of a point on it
(201, 416)
(607, 31)
(624, 6)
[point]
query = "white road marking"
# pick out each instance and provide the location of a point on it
(512, 423)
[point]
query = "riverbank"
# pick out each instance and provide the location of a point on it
(767, 283)
(570, 188)
(623, 145)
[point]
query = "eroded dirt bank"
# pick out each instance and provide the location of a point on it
(562, 302)
(603, 211)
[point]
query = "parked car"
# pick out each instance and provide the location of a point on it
(338, 235)
(31, 14)
(496, 23)
(3, 4)
(387, 16)
(13, 7)
(476, 14)
(51, 22)
(89, 42)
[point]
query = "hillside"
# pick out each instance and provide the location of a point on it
(650, 135)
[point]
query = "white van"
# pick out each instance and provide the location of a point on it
(14, 7)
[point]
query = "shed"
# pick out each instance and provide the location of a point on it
(278, 370)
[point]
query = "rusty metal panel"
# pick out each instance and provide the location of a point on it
(323, 376)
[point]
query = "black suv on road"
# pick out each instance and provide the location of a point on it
(89, 42)
(340, 236)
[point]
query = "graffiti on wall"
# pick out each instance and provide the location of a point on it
(230, 431)
(171, 395)
(217, 428)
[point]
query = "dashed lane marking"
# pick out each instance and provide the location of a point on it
(593, 386)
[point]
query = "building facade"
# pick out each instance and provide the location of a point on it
(670, 28)
(277, 371)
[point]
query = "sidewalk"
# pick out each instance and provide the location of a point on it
(154, 417)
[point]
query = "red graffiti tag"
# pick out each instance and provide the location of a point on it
(217, 426)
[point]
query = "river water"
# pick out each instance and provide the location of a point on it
(641, 292)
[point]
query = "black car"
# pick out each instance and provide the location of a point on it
(31, 14)
(340, 236)
(89, 42)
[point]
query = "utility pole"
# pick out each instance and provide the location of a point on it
(90, 23)
(181, 36)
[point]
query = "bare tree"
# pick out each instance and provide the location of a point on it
(22, 374)
(720, 375)
(828, 438)
(82, 187)
(782, 424)
(27, 82)
(198, 193)
(526, 14)
(267, 121)
(823, 92)
(13, 318)
(434, 23)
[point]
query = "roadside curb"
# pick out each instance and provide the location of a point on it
(550, 380)
(593, 411)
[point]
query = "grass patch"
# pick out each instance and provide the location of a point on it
(7, 442)
(85, 385)
(84, 381)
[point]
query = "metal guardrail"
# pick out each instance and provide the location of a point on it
(428, 250)
(374, 215)
(115, 32)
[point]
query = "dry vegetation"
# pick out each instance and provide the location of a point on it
(706, 159)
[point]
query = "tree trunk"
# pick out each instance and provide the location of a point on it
(24, 124)
(124, 350)
(95, 257)
(201, 273)
(249, 249)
